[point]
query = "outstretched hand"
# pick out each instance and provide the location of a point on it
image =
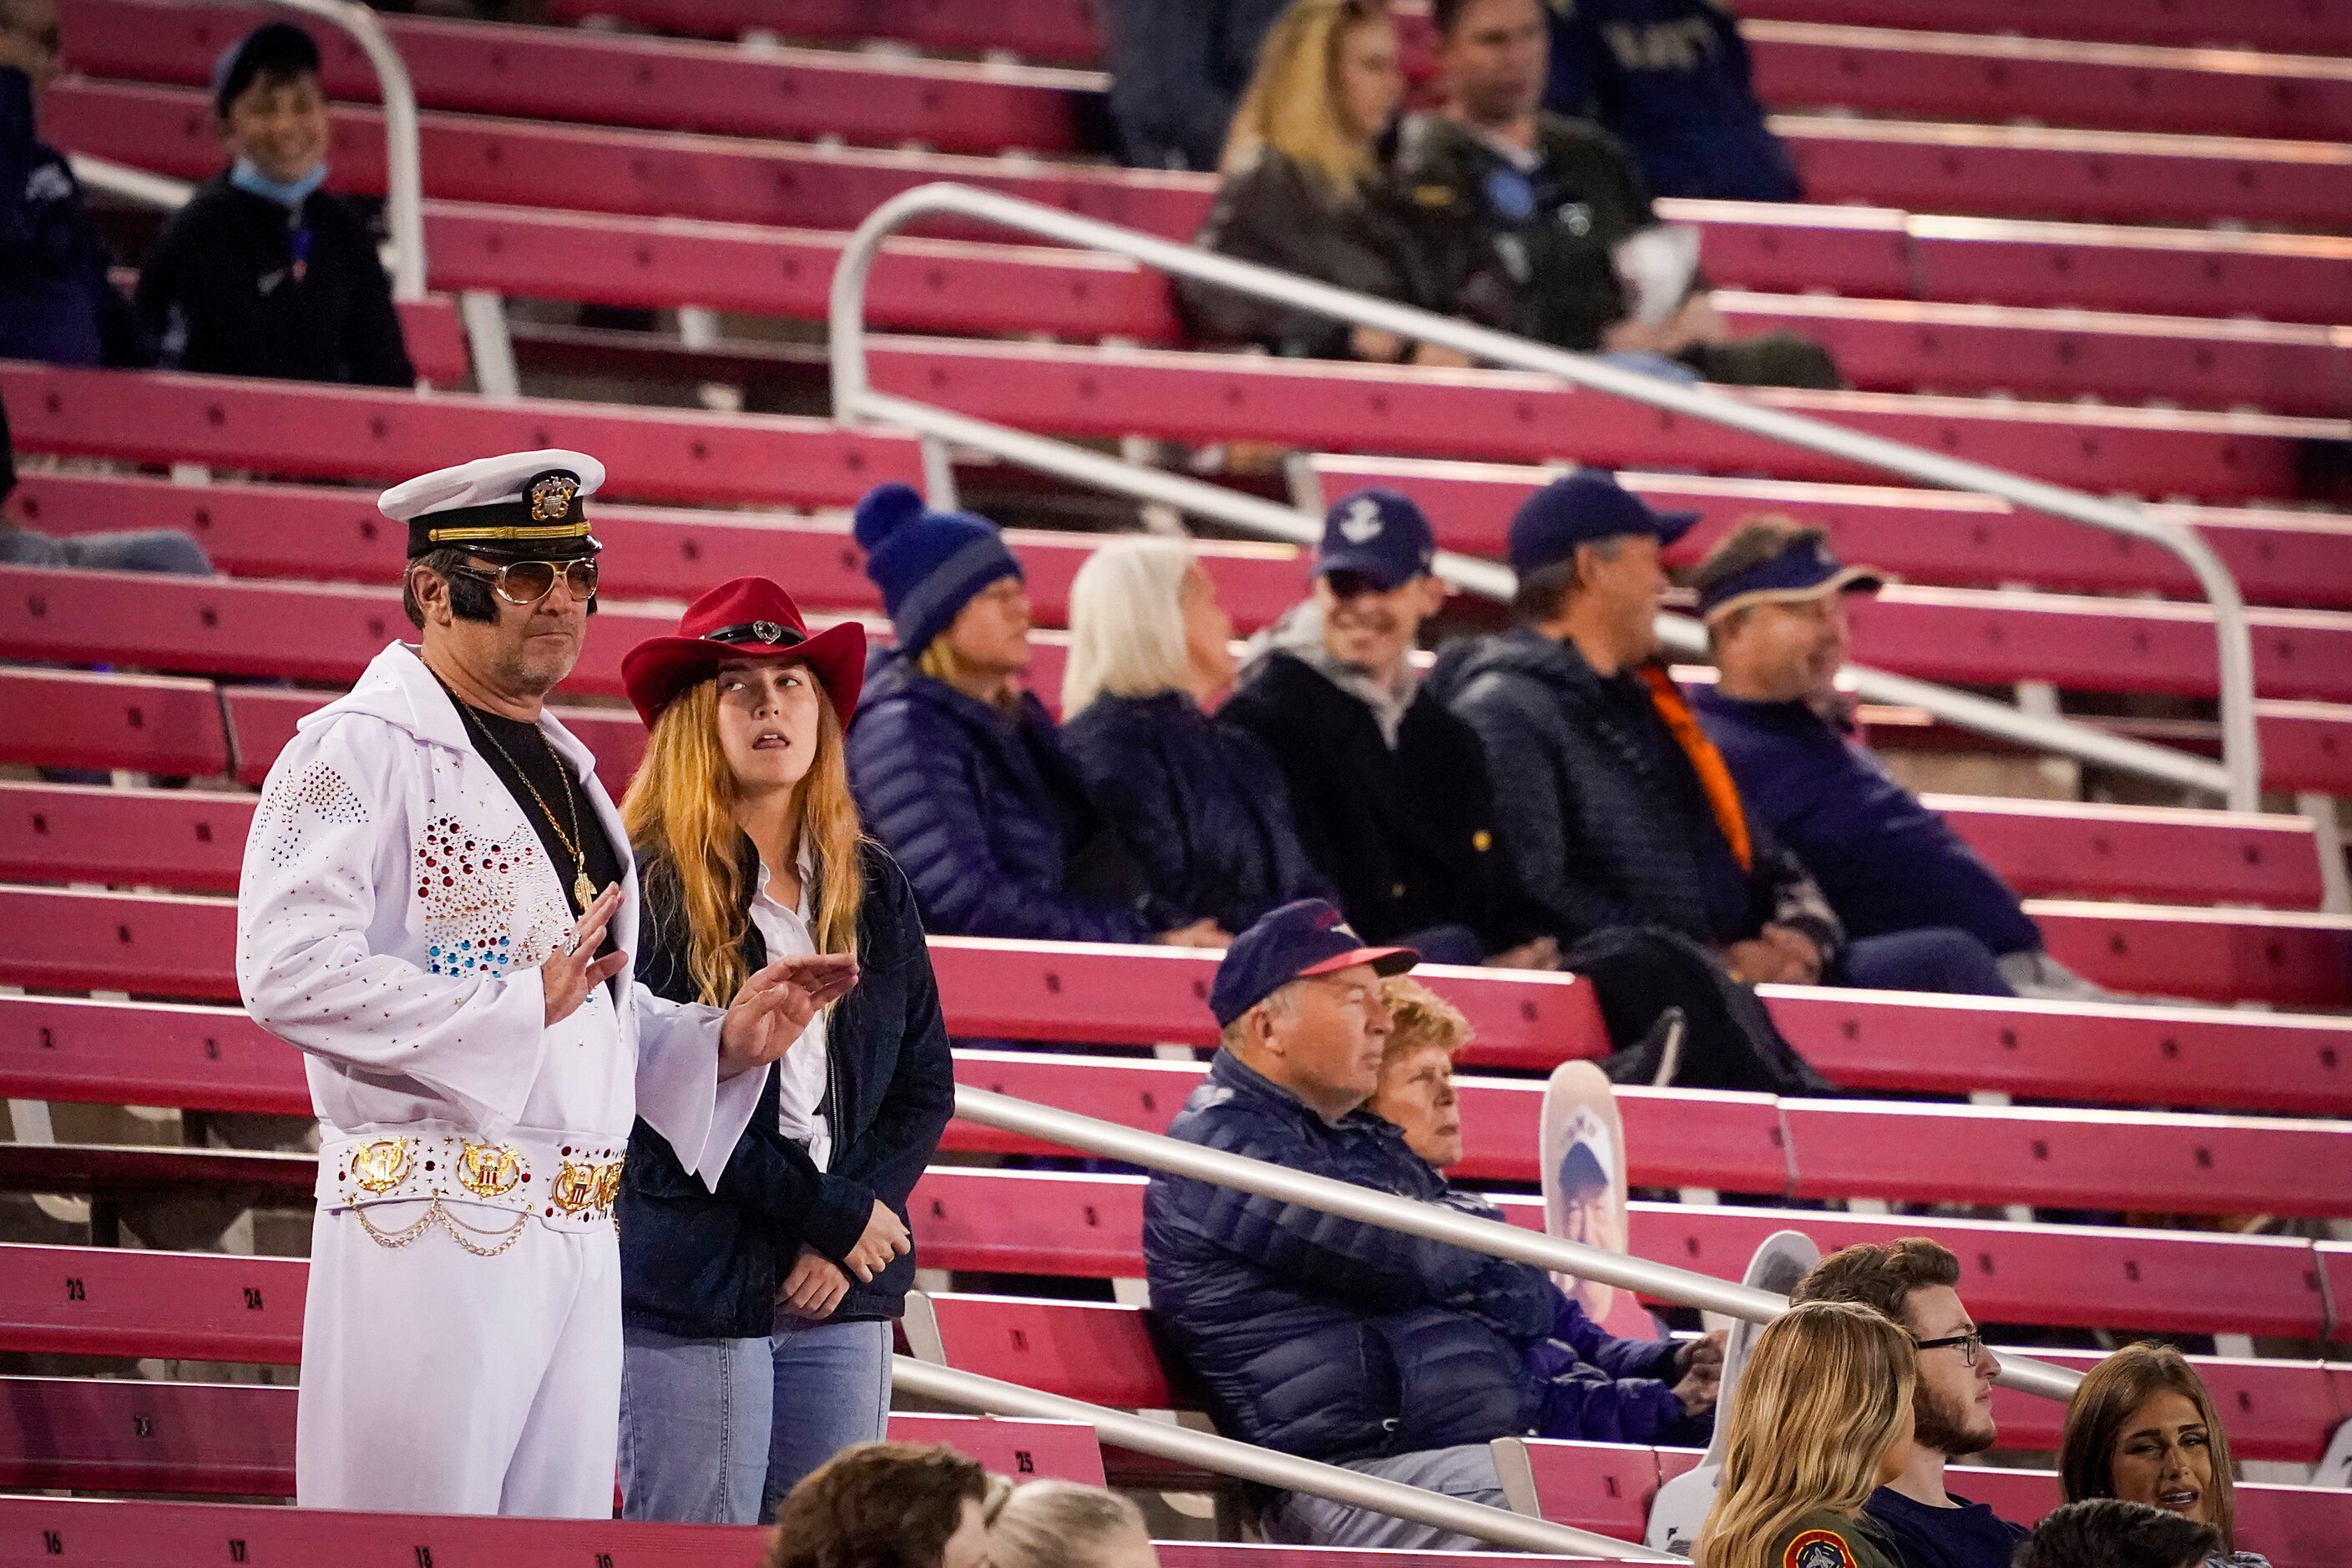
(570, 973)
(775, 1005)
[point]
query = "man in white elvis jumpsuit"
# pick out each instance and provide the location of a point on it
(437, 907)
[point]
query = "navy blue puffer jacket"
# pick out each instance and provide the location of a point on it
(1322, 1336)
(988, 818)
(1202, 805)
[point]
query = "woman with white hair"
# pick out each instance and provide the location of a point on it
(1202, 803)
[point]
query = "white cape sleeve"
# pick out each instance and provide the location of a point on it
(325, 833)
(679, 1091)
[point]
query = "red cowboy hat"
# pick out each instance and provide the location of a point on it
(748, 618)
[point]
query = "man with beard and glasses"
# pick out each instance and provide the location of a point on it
(1389, 789)
(1912, 1282)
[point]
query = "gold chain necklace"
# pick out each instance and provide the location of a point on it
(584, 892)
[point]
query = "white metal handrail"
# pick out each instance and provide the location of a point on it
(2237, 777)
(403, 166)
(1493, 1238)
(1246, 1462)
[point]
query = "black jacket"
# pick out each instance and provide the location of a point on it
(1277, 213)
(1408, 835)
(56, 304)
(1199, 801)
(1606, 821)
(222, 289)
(1178, 70)
(707, 1265)
(1527, 253)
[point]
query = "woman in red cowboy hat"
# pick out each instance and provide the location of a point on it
(756, 1317)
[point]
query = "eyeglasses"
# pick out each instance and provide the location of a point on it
(529, 581)
(1968, 1344)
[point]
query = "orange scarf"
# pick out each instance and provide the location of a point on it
(1714, 775)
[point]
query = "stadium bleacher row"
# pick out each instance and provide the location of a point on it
(2118, 262)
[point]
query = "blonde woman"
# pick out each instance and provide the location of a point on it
(1822, 1419)
(1305, 189)
(2143, 1429)
(756, 1300)
(1201, 803)
(1064, 1524)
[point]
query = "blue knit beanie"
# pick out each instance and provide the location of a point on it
(928, 563)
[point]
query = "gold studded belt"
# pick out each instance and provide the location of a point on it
(564, 1183)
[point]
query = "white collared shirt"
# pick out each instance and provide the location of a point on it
(802, 1073)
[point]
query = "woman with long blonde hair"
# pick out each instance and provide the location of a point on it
(1306, 189)
(1819, 1420)
(759, 1277)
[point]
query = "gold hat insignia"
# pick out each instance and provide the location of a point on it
(550, 498)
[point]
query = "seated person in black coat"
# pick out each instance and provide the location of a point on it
(1198, 800)
(1307, 190)
(263, 273)
(1388, 788)
(1620, 809)
(1542, 226)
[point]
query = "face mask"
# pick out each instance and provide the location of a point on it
(244, 176)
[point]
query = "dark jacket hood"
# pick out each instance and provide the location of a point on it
(1521, 655)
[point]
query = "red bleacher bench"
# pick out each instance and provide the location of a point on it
(660, 84)
(336, 534)
(54, 718)
(157, 946)
(1922, 536)
(2306, 26)
(1522, 416)
(237, 1440)
(354, 433)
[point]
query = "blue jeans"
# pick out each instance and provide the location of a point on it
(1465, 1472)
(715, 1431)
(1931, 958)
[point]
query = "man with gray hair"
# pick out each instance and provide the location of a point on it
(1275, 1305)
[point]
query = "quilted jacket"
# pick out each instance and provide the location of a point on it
(987, 816)
(1322, 1336)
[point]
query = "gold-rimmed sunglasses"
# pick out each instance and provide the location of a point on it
(529, 581)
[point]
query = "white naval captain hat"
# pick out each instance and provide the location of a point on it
(526, 504)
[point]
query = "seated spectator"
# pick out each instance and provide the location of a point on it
(960, 772)
(1538, 222)
(133, 550)
(263, 273)
(1307, 190)
(1283, 1311)
(1386, 786)
(886, 1505)
(1198, 800)
(1911, 1284)
(1063, 1524)
(2143, 1427)
(1773, 597)
(2107, 1532)
(1596, 1386)
(1822, 1416)
(56, 304)
(1671, 80)
(1619, 807)
(1176, 73)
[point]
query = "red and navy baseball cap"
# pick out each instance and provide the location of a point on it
(1290, 943)
(1378, 536)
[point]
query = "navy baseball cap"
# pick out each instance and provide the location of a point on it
(1806, 568)
(1585, 507)
(1379, 535)
(276, 48)
(1290, 943)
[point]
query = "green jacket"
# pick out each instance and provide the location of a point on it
(1825, 1540)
